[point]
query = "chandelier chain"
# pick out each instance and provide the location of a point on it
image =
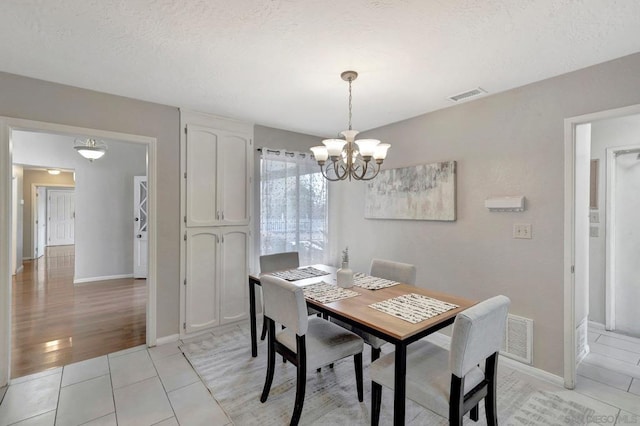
(350, 98)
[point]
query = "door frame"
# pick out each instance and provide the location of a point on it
(34, 210)
(610, 236)
(570, 350)
(7, 126)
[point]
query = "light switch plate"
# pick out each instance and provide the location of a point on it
(594, 217)
(594, 231)
(522, 230)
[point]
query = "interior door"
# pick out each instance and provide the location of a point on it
(140, 221)
(40, 239)
(626, 187)
(61, 213)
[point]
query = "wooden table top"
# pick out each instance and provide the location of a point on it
(357, 308)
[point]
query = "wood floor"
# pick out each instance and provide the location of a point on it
(55, 323)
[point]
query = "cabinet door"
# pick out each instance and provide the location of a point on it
(201, 292)
(233, 178)
(201, 189)
(234, 303)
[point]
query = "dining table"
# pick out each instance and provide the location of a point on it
(358, 312)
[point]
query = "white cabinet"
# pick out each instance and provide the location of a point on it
(216, 288)
(201, 290)
(217, 176)
(216, 165)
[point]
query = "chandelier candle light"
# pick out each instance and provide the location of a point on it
(350, 158)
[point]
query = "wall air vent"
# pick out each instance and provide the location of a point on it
(468, 94)
(518, 339)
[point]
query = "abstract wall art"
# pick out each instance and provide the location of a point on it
(424, 192)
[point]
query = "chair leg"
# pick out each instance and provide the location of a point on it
(456, 401)
(301, 379)
(376, 399)
(284, 360)
(271, 360)
(264, 330)
(474, 415)
(375, 353)
(490, 374)
(357, 361)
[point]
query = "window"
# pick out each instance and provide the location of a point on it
(293, 206)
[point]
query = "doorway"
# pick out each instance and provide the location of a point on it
(623, 239)
(585, 218)
(7, 128)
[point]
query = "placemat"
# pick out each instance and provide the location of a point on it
(326, 293)
(371, 283)
(300, 274)
(413, 307)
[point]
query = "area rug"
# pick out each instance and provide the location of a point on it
(235, 379)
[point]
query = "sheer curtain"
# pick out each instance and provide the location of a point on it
(293, 206)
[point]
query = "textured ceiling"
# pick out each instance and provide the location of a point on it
(278, 62)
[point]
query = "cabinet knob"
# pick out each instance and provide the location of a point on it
(137, 219)
(139, 236)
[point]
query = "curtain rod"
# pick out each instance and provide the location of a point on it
(278, 151)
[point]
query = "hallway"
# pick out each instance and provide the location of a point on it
(55, 322)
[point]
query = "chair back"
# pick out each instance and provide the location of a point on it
(394, 271)
(477, 333)
(284, 303)
(279, 261)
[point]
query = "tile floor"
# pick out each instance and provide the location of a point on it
(137, 386)
(611, 370)
(158, 386)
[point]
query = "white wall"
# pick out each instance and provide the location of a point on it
(610, 133)
(104, 198)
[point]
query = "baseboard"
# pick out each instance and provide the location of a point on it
(20, 269)
(105, 278)
(167, 339)
(443, 340)
(597, 325)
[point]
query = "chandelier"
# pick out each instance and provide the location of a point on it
(350, 158)
(90, 149)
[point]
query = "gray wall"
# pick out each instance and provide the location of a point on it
(103, 198)
(511, 143)
(31, 99)
(605, 134)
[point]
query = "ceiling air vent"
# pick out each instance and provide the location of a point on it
(468, 94)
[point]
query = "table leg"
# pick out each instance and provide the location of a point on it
(252, 318)
(400, 384)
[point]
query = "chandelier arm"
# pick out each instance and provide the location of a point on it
(324, 171)
(336, 170)
(366, 168)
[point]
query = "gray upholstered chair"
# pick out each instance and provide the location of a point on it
(307, 342)
(279, 262)
(452, 383)
(387, 269)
